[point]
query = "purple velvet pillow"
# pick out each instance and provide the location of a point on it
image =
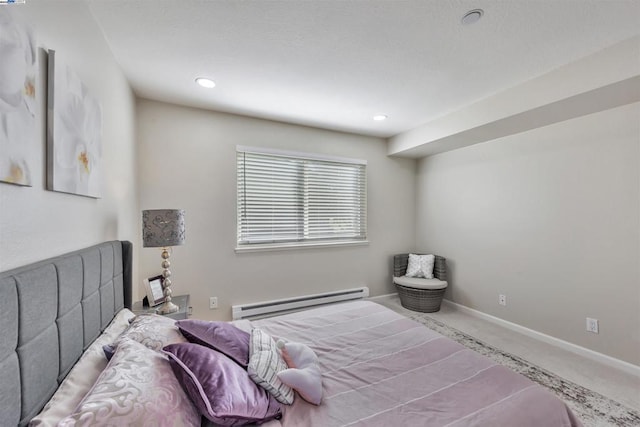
(221, 336)
(220, 389)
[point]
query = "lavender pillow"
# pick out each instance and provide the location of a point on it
(151, 330)
(220, 389)
(220, 336)
(136, 388)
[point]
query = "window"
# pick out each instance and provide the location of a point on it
(292, 199)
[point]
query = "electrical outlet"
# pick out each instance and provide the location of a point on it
(592, 325)
(502, 299)
(213, 303)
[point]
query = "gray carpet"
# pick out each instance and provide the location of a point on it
(593, 409)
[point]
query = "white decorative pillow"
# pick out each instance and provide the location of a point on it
(82, 376)
(137, 388)
(151, 330)
(304, 374)
(420, 266)
(264, 364)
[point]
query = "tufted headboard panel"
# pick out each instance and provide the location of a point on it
(50, 311)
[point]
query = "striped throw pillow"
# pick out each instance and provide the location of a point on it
(265, 362)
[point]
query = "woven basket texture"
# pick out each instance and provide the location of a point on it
(423, 300)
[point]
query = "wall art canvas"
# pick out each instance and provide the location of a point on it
(74, 133)
(18, 68)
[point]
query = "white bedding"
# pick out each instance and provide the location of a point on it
(83, 375)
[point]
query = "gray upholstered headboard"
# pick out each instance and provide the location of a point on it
(50, 311)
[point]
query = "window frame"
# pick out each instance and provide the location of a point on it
(302, 242)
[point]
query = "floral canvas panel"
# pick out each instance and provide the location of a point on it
(18, 67)
(74, 137)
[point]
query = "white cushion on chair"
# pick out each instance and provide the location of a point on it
(417, 283)
(420, 266)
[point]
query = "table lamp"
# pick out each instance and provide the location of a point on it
(164, 228)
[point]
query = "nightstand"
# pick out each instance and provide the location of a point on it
(182, 301)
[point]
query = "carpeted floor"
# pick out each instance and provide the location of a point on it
(594, 409)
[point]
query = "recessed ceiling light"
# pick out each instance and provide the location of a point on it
(379, 117)
(204, 82)
(472, 16)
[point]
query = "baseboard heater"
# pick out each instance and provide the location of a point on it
(286, 305)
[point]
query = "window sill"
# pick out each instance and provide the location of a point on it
(289, 246)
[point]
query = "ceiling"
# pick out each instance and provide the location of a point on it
(336, 63)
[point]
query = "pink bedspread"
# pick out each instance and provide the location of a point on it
(382, 369)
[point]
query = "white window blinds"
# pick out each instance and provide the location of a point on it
(295, 197)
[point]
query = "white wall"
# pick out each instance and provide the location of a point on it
(549, 217)
(36, 223)
(188, 160)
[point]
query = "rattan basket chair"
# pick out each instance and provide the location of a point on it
(424, 295)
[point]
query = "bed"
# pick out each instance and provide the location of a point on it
(377, 367)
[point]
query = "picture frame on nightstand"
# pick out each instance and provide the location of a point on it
(155, 293)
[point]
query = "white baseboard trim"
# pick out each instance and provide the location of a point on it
(381, 297)
(627, 367)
